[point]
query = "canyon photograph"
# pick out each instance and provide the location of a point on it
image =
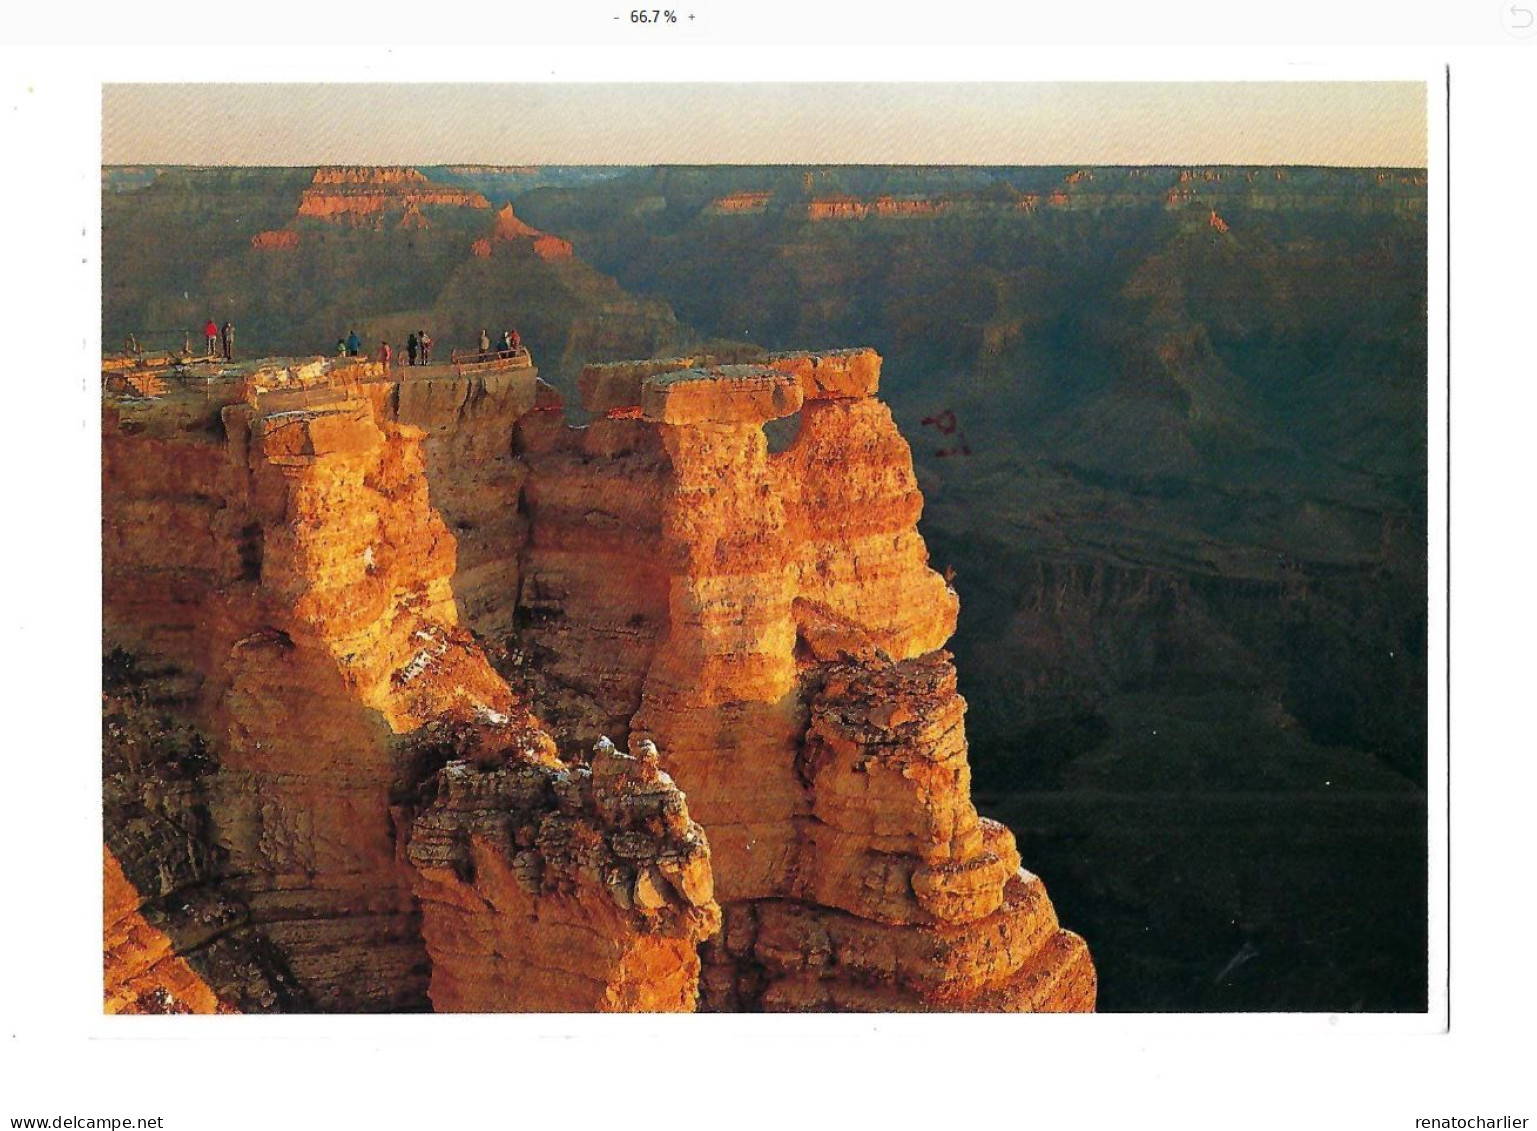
(762, 587)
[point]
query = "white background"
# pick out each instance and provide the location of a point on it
(58, 1056)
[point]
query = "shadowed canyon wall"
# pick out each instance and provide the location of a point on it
(297, 258)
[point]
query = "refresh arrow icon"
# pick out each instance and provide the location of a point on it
(1520, 18)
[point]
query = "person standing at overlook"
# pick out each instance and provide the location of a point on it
(354, 343)
(426, 346)
(385, 353)
(211, 332)
(485, 344)
(505, 346)
(411, 348)
(227, 332)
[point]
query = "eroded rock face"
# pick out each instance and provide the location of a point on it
(274, 537)
(549, 887)
(333, 557)
(795, 683)
(903, 897)
(177, 938)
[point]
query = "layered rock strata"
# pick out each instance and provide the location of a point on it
(549, 887)
(846, 207)
(367, 196)
(905, 898)
(739, 202)
(335, 556)
(273, 536)
(176, 939)
(785, 656)
(142, 972)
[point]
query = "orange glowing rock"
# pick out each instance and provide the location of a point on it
(791, 827)
(552, 248)
(363, 196)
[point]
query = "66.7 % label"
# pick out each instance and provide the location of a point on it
(654, 16)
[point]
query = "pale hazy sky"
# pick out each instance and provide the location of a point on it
(1258, 123)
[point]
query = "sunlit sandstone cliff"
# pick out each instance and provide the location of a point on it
(844, 207)
(279, 544)
(367, 195)
(334, 556)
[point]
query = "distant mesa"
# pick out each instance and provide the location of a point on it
(370, 196)
(891, 206)
(368, 176)
(839, 207)
(739, 202)
(845, 207)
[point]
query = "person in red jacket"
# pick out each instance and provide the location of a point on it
(211, 332)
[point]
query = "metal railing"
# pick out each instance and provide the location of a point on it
(175, 349)
(189, 344)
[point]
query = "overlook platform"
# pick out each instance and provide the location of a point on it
(214, 382)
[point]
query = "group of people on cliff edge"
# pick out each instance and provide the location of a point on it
(350, 346)
(418, 346)
(511, 342)
(221, 339)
